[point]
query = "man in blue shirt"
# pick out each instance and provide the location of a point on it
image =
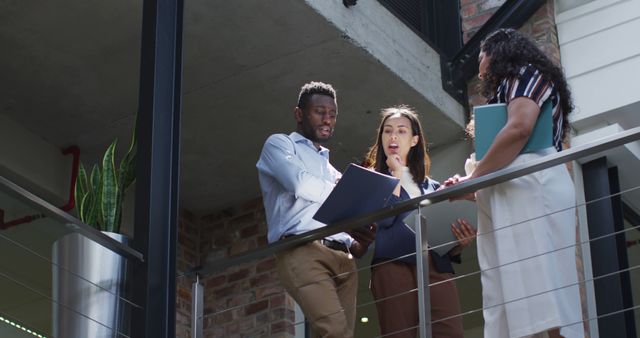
(295, 178)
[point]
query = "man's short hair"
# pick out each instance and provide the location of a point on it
(311, 88)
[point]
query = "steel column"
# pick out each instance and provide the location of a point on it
(157, 172)
(601, 215)
(422, 275)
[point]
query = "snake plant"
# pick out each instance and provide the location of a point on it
(99, 195)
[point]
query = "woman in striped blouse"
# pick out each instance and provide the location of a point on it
(526, 226)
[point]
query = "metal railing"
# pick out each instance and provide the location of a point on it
(496, 177)
(45, 269)
(575, 153)
(72, 223)
(595, 147)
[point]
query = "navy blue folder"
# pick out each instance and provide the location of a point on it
(358, 192)
(490, 118)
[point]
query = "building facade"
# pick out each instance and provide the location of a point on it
(74, 79)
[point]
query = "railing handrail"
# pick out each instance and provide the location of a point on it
(496, 177)
(67, 219)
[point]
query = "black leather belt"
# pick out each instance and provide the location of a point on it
(335, 245)
(331, 244)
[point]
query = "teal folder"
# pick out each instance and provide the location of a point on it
(490, 118)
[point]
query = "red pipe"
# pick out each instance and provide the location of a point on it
(75, 151)
(25, 219)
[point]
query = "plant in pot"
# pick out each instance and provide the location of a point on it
(99, 196)
(89, 280)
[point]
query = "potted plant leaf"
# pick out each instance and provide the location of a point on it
(88, 279)
(99, 196)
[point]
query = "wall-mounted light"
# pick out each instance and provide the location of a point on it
(364, 319)
(349, 3)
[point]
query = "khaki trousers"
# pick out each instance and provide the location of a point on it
(324, 283)
(398, 314)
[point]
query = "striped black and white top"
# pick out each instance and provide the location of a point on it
(530, 83)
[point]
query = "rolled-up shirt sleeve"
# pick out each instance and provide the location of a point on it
(279, 161)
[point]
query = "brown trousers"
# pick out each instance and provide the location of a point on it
(397, 314)
(324, 282)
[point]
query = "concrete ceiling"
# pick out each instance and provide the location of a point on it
(71, 73)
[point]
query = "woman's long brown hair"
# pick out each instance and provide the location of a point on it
(417, 160)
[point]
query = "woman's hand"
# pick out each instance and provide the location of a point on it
(395, 164)
(455, 179)
(465, 233)
(363, 237)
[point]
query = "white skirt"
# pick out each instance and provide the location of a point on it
(526, 248)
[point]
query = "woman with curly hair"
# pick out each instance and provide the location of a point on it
(526, 226)
(400, 150)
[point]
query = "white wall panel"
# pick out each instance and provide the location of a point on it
(600, 49)
(601, 58)
(595, 16)
(605, 89)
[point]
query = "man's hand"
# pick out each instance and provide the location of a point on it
(363, 237)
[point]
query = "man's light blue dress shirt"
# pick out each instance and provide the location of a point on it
(295, 178)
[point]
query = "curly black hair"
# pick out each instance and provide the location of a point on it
(508, 52)
(311, 88)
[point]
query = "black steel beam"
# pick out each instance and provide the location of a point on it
(443, 26)
(437, 22)
(605, 217)
(623, 257)
(157, 171)
(463, 66)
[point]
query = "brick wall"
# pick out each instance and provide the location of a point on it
(187, 258)
(475, 13)
(242, 301)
